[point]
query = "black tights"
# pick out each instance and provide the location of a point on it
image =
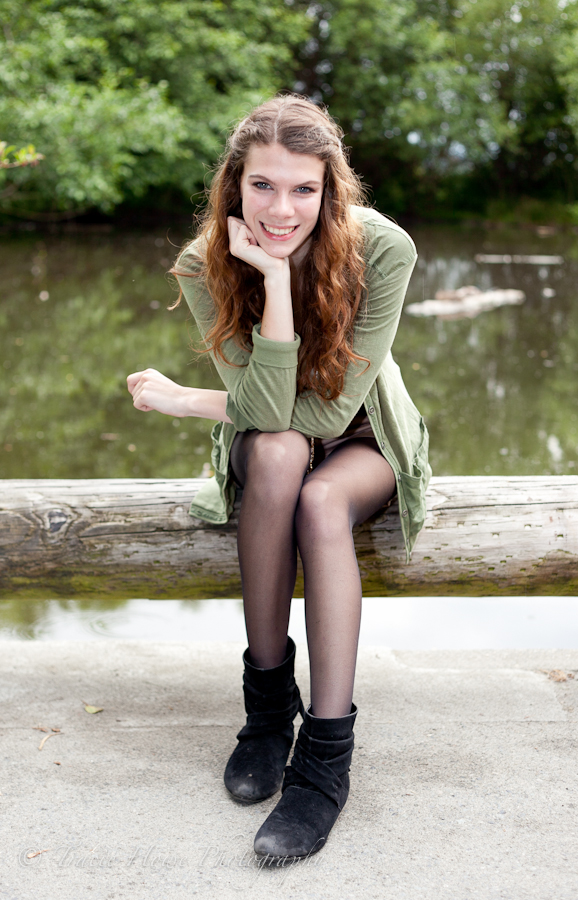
(283, 510)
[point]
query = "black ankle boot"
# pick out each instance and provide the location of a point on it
(272, 700)
(315, 789)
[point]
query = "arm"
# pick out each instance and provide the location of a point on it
(388, 272)
(277, 323)
(152, 391)
(261, 383)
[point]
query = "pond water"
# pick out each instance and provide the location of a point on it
(80, 310)
(406, 623)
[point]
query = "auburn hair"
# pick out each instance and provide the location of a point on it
(330, 279)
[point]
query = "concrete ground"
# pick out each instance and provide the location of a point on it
(464, 777)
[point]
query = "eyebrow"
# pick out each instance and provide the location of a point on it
(300, 183)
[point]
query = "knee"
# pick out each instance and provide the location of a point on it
(321, 512)
(278, 458)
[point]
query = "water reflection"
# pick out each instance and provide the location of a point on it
(497, 391)
(122, 619)
(408, 623)
(77, 313)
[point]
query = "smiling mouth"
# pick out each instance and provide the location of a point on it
(279, 232)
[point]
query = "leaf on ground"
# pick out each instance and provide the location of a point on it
(93, 709)
(39, 728)
(38, 852)
(46, 736)
(557, 675)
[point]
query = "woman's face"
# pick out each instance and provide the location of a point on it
(281, 196)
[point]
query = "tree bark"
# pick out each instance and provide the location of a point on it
(134, 538)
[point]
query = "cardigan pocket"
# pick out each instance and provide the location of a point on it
(217, 451)
(413, 487)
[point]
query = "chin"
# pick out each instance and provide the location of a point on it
(279, 251)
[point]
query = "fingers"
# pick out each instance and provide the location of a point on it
(151, 390)
(244, 245)
(137, 396)
(235, 225)
(139, 381)
(133, 380)
(240, 236)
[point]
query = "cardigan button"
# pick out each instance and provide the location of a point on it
(371, 410)
(404, 513)
(382, 445)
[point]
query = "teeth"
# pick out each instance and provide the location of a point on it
(278, 231)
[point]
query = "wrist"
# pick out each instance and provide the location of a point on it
(274, 281)
(190, 402)
(205, 403)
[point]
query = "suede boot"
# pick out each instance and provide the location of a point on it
(272, 700)
(315, 789)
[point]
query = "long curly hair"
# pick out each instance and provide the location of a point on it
(330, 279)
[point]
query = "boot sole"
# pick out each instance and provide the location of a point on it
(242, 801)
(290, 859)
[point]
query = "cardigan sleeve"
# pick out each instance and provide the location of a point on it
(261, 383)
(390, 262)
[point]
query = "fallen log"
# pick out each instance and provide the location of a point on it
(465, 303)
(123, 538)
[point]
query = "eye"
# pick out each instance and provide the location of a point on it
(305, 190)
(261, 185)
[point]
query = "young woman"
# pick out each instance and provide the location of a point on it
(297, 290)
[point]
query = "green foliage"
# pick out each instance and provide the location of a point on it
(449, 98)
(125, 95)
(445, 102)
(11, 158)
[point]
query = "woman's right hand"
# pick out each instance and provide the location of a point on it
(243, 244)
(153, 391)
(277, 322)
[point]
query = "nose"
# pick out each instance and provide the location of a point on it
(282, 205)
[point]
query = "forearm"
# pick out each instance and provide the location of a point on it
(277, 323)
(260, 381)
(208, 404)
(153, 391)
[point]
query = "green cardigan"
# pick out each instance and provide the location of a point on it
(262, 392)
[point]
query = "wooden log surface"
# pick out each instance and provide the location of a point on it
(134, 538)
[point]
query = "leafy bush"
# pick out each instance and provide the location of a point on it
(444, 103)
(123, 95)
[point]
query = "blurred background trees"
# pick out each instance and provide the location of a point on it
(451, 107)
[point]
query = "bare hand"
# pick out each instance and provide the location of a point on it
(153, 391)
(243, 244)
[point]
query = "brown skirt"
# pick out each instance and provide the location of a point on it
(359, 427)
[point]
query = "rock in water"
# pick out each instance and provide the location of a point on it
(465, 303)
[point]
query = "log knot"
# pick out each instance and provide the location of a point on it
(56, 522)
